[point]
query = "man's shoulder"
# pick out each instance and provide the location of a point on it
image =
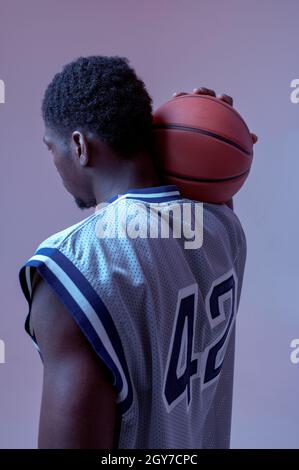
(222, 214)
(222, 223)
(69, 235)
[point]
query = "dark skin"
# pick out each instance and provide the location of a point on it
(78, 406)
(223, 97)
(92, 172)
(78, 399)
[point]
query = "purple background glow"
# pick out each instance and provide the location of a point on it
(245, 48)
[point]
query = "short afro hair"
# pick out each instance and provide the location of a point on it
(103, 95)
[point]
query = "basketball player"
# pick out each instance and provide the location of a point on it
(136, 334)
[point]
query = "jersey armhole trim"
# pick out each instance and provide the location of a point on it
(87, 309)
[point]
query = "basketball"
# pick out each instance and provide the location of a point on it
(203, 146)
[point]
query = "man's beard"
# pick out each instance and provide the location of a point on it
(85, 205)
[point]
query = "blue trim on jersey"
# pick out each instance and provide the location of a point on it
(80, 317)
(154, 189)
(155, 199)
(23, 282)
(112, 199)
(156, 193)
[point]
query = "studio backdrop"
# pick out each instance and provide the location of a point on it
(247, 49)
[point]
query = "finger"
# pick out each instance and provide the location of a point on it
(204, 91)
(180, 93)
(226, 98)
(254, 138)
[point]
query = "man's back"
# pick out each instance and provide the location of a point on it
(159, 315)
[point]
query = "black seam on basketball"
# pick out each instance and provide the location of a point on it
(180, 127)
(206, 180)
(219, 101)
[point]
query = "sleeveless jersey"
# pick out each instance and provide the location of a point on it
(158, 310)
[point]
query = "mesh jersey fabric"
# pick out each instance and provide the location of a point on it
(159, 316)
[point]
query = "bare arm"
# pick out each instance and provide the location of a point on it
(78, 400)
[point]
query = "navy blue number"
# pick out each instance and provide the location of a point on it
(219, 291)
(182, 363)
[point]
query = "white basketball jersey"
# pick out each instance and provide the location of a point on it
(159, 313)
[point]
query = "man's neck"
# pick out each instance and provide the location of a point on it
(137, 173)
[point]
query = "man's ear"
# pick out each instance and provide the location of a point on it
(80, 146)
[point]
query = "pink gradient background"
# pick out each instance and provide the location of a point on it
(245, 48)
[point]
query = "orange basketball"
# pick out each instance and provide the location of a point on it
(203, 146)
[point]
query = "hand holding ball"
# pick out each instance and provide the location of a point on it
(203, 146)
